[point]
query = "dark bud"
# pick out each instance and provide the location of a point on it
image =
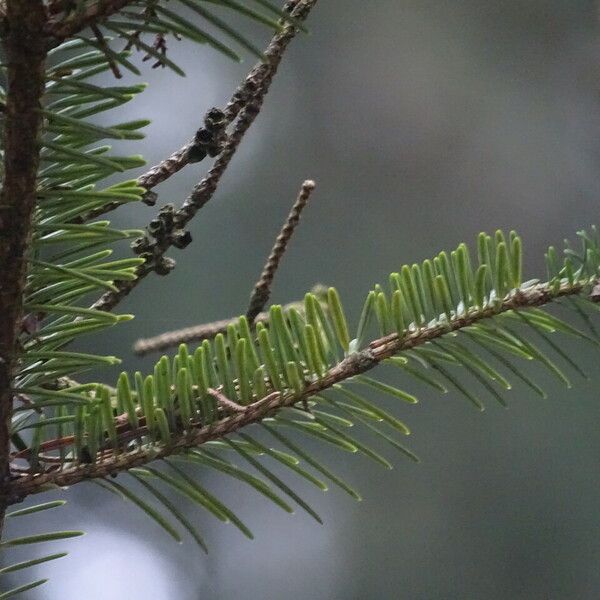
(196, 153)
(141, 244)
(215, 150)
(215, 119)
(217, 145)
(86, 457)
(166, 214)
(150, 198)
(251, 87)
(204, 137)
(147, 256)
(156, 227)
(180, 239)
(164, 266)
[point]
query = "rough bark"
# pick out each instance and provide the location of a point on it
(25, 49)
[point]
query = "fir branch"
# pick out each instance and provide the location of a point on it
(154, 252)
(262, 289)
(354, 364)
(25, 47)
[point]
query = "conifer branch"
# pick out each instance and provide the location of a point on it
(262, 289)
(25, 47)
(377, 351)
(171, 232)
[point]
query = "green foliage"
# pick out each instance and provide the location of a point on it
(464, 320)
(33, 539)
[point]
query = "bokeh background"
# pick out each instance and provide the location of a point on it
(423, 122)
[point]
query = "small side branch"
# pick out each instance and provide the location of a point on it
(104, 47)
(229, 406)
(243, 94)
(262, 289)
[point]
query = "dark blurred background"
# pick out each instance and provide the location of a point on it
(423, 123)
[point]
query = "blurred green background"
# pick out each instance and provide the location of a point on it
(423, 123)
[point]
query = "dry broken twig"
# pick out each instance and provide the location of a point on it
(262, 289)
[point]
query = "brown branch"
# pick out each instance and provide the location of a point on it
(171, 234)
(25, 48)
(354, 364)
(61, 29)
(207, 331)
(262, 289)
(244, 92)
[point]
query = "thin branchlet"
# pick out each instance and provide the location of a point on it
(245, 91)
(262, 289)
(104, 47)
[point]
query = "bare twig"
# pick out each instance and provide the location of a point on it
(359, 362)
(240, 98)
(206, 331)
(262, 289)
(169, 230)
